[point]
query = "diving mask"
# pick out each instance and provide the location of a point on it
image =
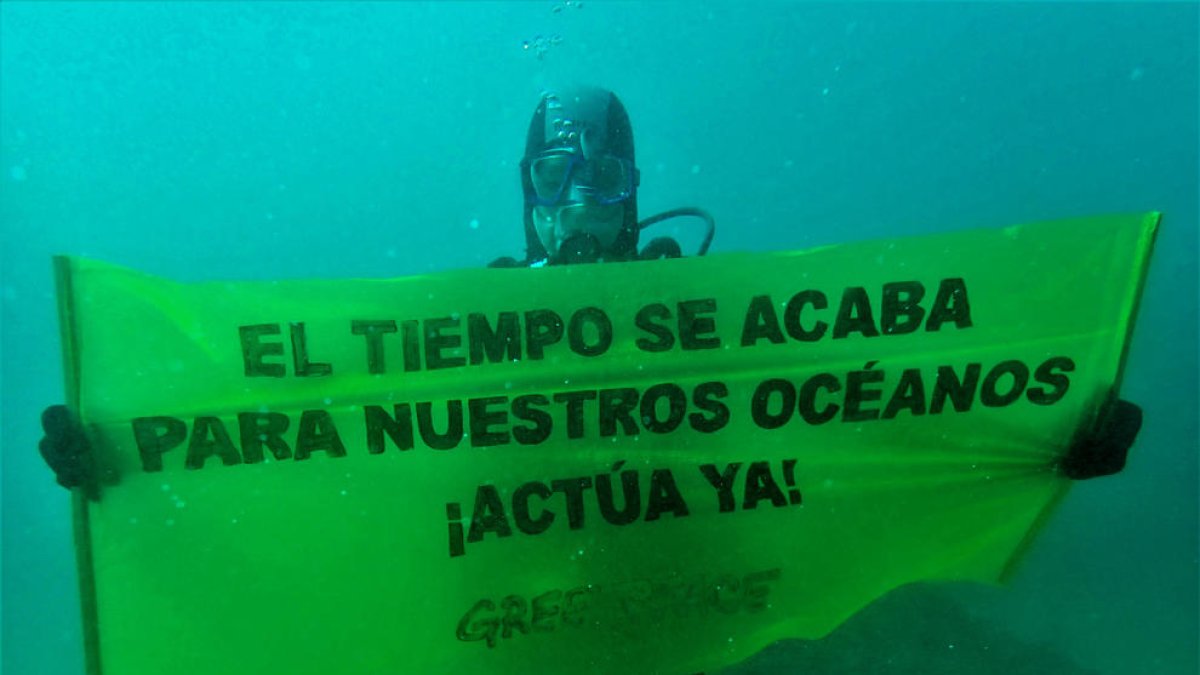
(563, 176)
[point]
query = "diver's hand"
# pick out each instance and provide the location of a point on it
(66, 449)
(1102, 450)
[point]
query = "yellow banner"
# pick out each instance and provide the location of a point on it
(644, 467)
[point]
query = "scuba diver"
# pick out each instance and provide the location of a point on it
(580, 184)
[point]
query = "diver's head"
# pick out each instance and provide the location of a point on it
(579, 178)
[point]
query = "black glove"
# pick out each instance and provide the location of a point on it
(66, 449)
(1102, 450)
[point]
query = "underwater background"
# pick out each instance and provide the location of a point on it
(261, 141)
